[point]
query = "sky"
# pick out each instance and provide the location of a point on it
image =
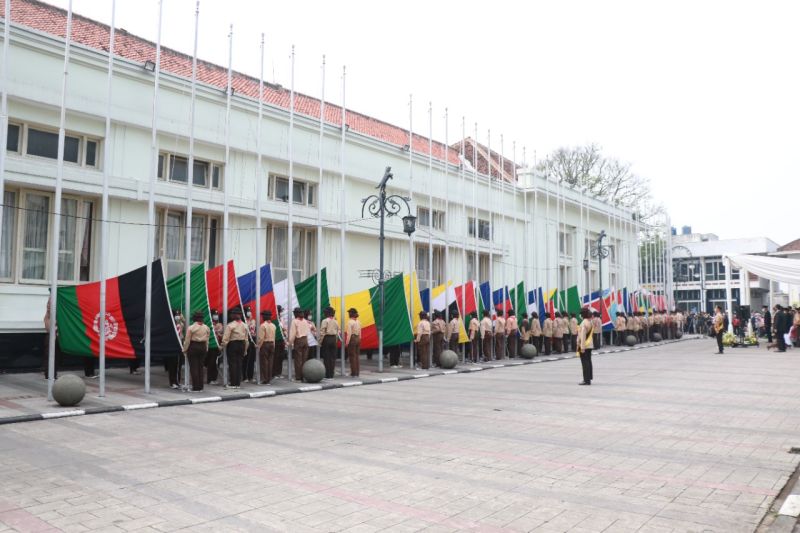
(701, 98)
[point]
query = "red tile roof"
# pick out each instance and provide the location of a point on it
(483, 158)
(793, 246)
(53, 20)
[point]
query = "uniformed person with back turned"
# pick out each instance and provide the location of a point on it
(235, 339)
(265, 346)
(423, 340)
(195, 347)
(474, 337)
(487, 337)
(536, 332)
(329, 333)
(512, 333)
(499, 336)
(619, 328)
(298, 342)
(573, 331)
(352, 342)
(558, 333)
(524, 332)
(453, 328)
(547, 333)
(438, 328)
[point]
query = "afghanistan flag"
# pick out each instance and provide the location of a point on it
(215, 288)
(198, 297)
(396, 325)
(78, 316)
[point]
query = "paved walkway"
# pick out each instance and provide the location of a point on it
(666, 439)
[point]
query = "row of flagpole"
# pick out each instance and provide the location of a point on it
(651, 267)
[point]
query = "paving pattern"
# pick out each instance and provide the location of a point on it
(671, 438)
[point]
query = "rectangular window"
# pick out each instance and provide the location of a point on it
(565, 243)
(212, 243)
(426, 279)
(161, 160)
(282, 189)
(8, 236)
(86, 243)
(484, 230)
(66, 239)
(303, 252)
(178, 169)
(200, 176)
(91, 153)
(302, 193)
(12, 141)
(312, 189)
(34, 252)
(299, 192)
(198, 248)
(45, 144)
(423, 217)
(216, 182)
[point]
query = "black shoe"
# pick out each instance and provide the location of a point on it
(585, 383)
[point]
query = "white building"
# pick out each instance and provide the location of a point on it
(699, 271)
(530, 230)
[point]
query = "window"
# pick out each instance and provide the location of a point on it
(35, 230)
(483, 263)
(303, 252)
(426, 281)
(171, 240)
(12, 141)
(302, 193)
(43, 143)
(565, 244)
(715, 271)
(484, 229)
(7, 237)
(172, 167)
(565, 276)
(424, 218)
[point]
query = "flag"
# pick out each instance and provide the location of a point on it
(501, 300)
(626, 300)
(569, 301)
(550, 303)
(425, 297)
(214, 286)
(592, 301)
(518, 299)
(536, 303)
(485, 298)
(605, 310)
(198, 296)
(465, 298)
(396, 326)
(78, 315)
(437, 298)
(416, 303)
(306, 292)
(450, 298)
(247, 290)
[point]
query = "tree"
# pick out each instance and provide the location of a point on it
(605, 177)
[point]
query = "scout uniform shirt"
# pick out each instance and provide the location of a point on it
(486, 326)
(452, 328)
(585, 336)
(719, 322)
(196, 333)
(547, 327)
(266, 333)
(525, 330)
(636, 323)
(558, 328)
(597, 324)
(511, 325)
(573, 326)
(235, 331)
(298, 328)
(474, 327)
(621, 324)
(353, 328)
(536, 328)
(423, 328)
(329, 326)
(500, 325)
(437, 326)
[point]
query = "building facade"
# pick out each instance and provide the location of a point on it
(480, 215)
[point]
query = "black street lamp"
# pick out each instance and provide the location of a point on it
(600, 251)
(382, 206)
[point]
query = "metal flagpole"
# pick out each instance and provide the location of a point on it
(151, 209)
(101, 323)
(54, 242)
(342, 202)
(260, 239)
(503, 264)
(189, 186)
(475, 208)
(290, 230)
(548, 268)
(411, 237)
(226, 213)
(430, 220)
(319, 208)
(4, 104)
(464, 276)
(526, 276)
(492, 220)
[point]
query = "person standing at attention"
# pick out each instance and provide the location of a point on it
(423, 340)
(352, 342)
(266, 346)
(719, 328)
(235, 339)
(195, 347)
(474, 337)
(586, 345)
(298, 342)
(486, 335)
(329, 333)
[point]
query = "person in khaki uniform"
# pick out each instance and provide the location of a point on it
(499, 336)
(558, 333)
(423, 340)
(280, 345)
(298, 342)
(235, 339)
(620, 325)
(524, 332)
(452, 331)
(548, 327)
(512, 333)
(597, 329)
(573, 331)
(213, 353)
(636, 326)
(585, 346)
(265, 346)
(438, 328)
(566, 337)
(352, 342)
(329, 333)
(487, 337)
(474, 337)
(195, 347)
(536, 332)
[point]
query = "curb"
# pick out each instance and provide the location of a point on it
(303, 388)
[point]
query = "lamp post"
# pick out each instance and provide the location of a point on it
(600, 251)
(380, 206)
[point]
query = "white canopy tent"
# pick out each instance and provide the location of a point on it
(779, 269)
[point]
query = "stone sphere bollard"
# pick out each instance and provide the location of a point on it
(678, 334)
(528, 351)
(630, 340)
(69, 390)
(448, 359)
(313, 371)
(656, 337)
